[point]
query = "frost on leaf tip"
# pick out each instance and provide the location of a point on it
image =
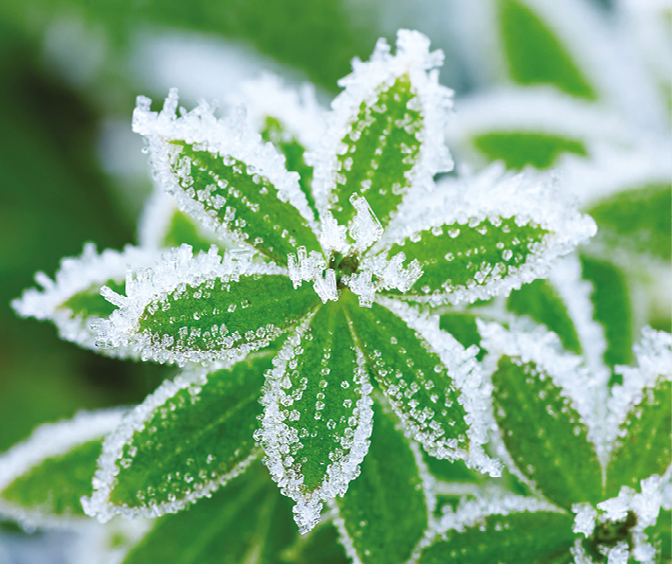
(386, 131)
(72, 301)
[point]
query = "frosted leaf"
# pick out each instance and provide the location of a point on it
(618, 554)
(111, 543)
(317, 414)
(49, 443)
(645, 505)
(365, 229)
(188, 438)
(386, 131)
(455, 233)
(585, 519)
(72, 300)
(234, 306)
(223, 175)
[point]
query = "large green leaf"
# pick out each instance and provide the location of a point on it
(318, 415)
(227, 179)
(544, 433)
(534, 538)
(541, 301)
(519, 149)
(384, 511)
(43, 478)
(183, 442)
(458, 256)
(535, 55)
(247, 521)
(413, 377)
(643, 445)
(637, 218)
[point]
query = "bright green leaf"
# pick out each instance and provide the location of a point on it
(535, 55)
(384, 512)
(319, 546)
(247, 521)
(183, 230)
(541, 301)
(660, 535)
(89, 302)
(637, 218)
(519, 150)
(184, 441)
(321, 398)
(412, 377)
(463, 327)
(533, 538)
(544, 434)
(643, 446)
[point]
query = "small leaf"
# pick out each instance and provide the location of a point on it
(463, 327)
(383, 515)
(225, 177)
(531, 537)
(541, 301)
(387, 130)
(613, 309)
(204, 308)
(413, 377)
(184, 441)
(317, 417)
(534, 53)
(660, 535)
(247, 521)
(518, 150)
(544, 433)
(319, 546)
(636, 218)
(643, 444)
(43, 478)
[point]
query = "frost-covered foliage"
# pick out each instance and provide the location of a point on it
(293, 263)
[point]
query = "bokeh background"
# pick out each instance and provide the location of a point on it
(71, 171)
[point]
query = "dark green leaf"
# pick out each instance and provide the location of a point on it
(541, 301)
(532, 538)
(384, 512)
(320, 546)
(519, 150)
(637, 218)
(544, 433)
(643, 446)
(187, 438)
(247, 521)
(379, 154)
(463, 327)
(183, 230)
(412, 376)
(535, 55)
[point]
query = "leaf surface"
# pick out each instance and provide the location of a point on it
(384, 511)
(544, 434)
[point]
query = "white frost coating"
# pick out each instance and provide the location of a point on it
(75, 275)
(579, 553)
(529, 197)
(297, 109)
(362, 86)
(280, 440)
(152, 286)
(343, 535)
(50, 441)
(466, 376)
(365, 229)
(311, 267)
(618, 554)
(566, 370)
(109, 543)
(654, 359)
(230, 138)
(332, 235)
(99, 505)
(585, 520)
(646, 505)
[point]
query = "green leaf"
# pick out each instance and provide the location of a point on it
(318, 416)
(43, 479)
(294, 152)
(534, 538)
(247, 521)
(412, 376)
(89, 302)
(660, 535)
(450, 470)
(544, 433)
(227, 179)
(319, 546)
(463, 327)
(519, 150)
(183, 442)
(541, 301)
(535, 55)
(384, 512)
(183, 230)
(612, 305)
(458, 256)
(643, 445)
(637, 218)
